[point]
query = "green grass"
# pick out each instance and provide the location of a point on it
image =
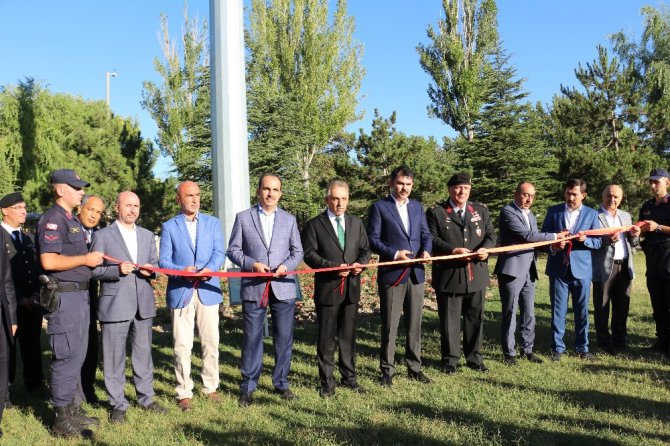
(622, 400)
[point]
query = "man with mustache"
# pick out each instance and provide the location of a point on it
(570, 270)
(336, 238)
(517, 272)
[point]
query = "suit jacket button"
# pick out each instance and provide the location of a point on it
(465, 240)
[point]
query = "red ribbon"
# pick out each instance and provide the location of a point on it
(406, 263)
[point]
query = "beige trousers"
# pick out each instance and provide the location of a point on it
(184, 320)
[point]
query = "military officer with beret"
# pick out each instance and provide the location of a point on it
(656, 246)
(459, 226)
(23, 259)
(67, 262)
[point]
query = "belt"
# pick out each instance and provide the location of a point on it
(620, 262)
(65, 287)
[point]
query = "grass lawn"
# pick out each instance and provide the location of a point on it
(622, 400)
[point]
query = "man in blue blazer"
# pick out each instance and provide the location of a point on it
(193, 241)
(398, 230)
(517, 272)
(265, 239)
(570, 271)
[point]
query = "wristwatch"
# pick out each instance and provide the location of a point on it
(658, 229)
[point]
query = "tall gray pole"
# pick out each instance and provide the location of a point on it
(230, 159)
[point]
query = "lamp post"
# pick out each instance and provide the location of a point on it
(107, 75)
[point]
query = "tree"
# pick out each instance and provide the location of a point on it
(648, 68)
(56, 131)
(599, 130)
(509, 144)
(180, 106)
(302, 69)
(457, 60)
(378, 153)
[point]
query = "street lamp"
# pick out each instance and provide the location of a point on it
(107, 75)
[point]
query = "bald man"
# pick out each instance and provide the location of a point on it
(127, 305)
(612, 274)
(193, 241)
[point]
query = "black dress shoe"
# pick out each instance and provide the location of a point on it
(326, 392)
(509, 360)
(386, 380)
(586, 356)
(449, 369)
(419, 376)
(117, 416)
(245, 399)
(478, 367)
(607, 349)
(354, 387)
(285, 394)
(532, 357)
(155, 407)
(555, 356)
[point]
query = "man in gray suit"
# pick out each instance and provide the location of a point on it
(612, 274)
(126, 305)
(517, 272)
(265, 239)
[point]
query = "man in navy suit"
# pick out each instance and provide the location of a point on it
(265, 239)
(570, 271)
(517, 272)
(193, 241)
(397, 230)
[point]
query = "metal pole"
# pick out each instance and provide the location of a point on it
(107, 74)
(230, 159)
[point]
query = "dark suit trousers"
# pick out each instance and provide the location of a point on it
(407, 299)
(658, 285)
(517, 292)
(450, 308)
(91, 361)
(4, 362)
(114, 337)
(615, 292)
(336, 321)
(253, 316)
(28, 334)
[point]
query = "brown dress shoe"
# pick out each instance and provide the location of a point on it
(185, 404)
(214, 396)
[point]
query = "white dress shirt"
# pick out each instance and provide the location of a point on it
(267, 223)
(620, 248)
(130, 239)
(192, 227)
(332, 217)
(403, 211)
(571, 217)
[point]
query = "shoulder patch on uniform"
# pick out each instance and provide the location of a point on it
(52, 226)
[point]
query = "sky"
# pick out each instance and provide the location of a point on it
(70, 45)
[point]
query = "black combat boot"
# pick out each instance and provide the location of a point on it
(78, 416)
(64, 425)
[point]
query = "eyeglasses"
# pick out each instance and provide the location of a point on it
(18, 207)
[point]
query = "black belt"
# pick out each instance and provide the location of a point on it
(64, 287)
(620, 262)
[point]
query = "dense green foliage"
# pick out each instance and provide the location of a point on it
(41, 131)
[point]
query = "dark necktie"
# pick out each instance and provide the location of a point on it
(16, 238)
(340, 231)
(460, 215)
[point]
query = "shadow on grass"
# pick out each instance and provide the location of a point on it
(504, 433)
(628, 406)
